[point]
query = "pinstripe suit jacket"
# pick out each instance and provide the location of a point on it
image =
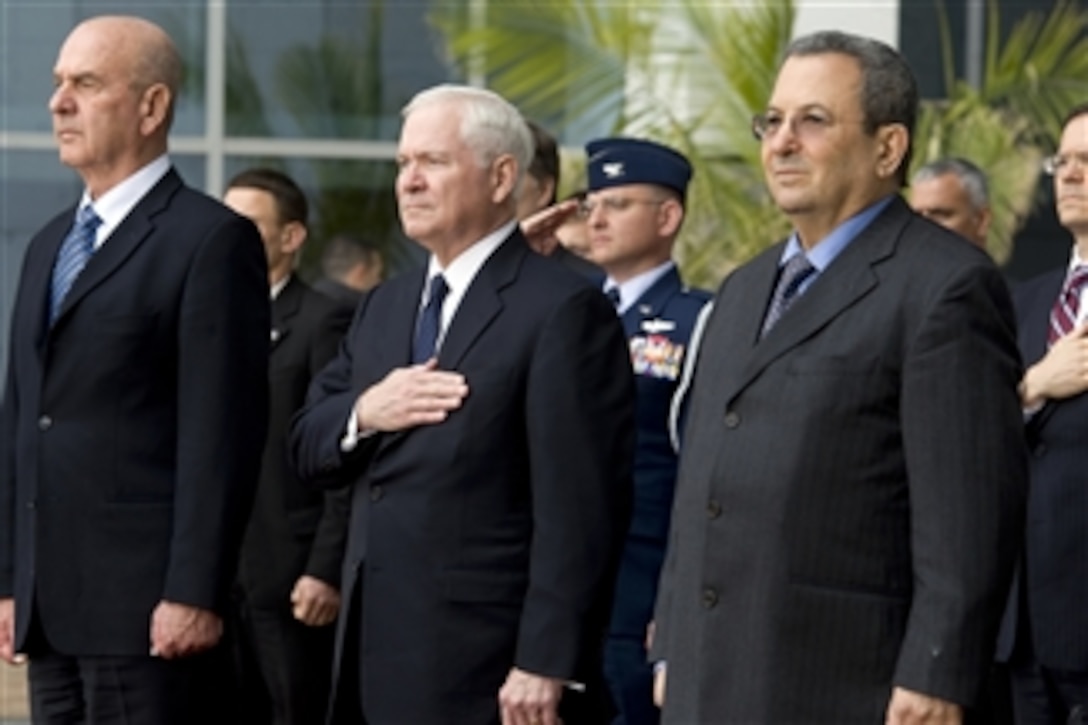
(851, 487)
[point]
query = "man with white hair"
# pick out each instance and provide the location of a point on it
(954, 193)
(482, 410)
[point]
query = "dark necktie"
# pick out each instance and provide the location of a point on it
(793, 274)
(430, 321)
(613, 295)
(1063, 318)
(74, 252)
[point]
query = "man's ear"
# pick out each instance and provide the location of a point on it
(154, 107)
(292, 237)
(893, 142)
(670, 217)
(504, 177)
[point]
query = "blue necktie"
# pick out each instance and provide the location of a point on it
(613, 295)
(76, 249)
(796, 270)
(430, 321)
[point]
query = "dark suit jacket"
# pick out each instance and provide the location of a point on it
(489, 540)
(1051, 579)
(658, 328)
(294, 530)
(132, 428)
(851, 487)
(348, 297)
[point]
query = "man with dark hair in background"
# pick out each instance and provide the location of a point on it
(542, 219)
(134, 409)
(852, 478)
(287, 594)
(350, 266)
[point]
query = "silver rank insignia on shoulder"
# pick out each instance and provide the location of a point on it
(657, 325)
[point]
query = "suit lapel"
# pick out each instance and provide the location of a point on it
(124, 240)
(39, 275)
(284, 309)
(481, 302)
(848, 278)
(1035, 331)
(652, 301)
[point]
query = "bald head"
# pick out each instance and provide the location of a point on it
(149, 53)
(116, 79)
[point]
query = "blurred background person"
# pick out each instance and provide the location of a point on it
(287, 593)
(350, 266)
(954, 193)
(544, 220)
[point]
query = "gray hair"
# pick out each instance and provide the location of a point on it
(490, 125)
(970, 176)
(889, 91)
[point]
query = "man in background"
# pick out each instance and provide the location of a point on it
(544, 221)
(350, 266)
(634, 211)
(1044, 637)
(287, 594)
(134, 408)
(954, 193)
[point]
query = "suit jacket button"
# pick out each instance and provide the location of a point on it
(732, 419)
(375, 493)
(713, 509)
(710, 598)
(45, 422)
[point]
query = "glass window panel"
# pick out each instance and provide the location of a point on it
(346, 197)
(31, 33)
(326, 69)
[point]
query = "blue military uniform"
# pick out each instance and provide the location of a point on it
(659, 325)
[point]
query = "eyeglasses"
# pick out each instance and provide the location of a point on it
(1053, 165)
(807, 124)
(612, 204)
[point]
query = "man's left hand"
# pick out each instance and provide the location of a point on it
(914, 708)
(313, 602)
(178, 630)
(528, 699)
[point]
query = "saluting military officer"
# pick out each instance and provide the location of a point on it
(634, 209)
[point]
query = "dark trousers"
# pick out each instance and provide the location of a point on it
(630, 681)
(1043, 696)
(136, 690)
(346, 706)
(283, 666)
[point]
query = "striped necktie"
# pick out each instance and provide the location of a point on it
(796, 270)
(1063, 317)
(74, 252)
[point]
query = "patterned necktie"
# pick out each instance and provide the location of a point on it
(1063, 318)
(793, 274)
(76, 249)
(430, 321)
